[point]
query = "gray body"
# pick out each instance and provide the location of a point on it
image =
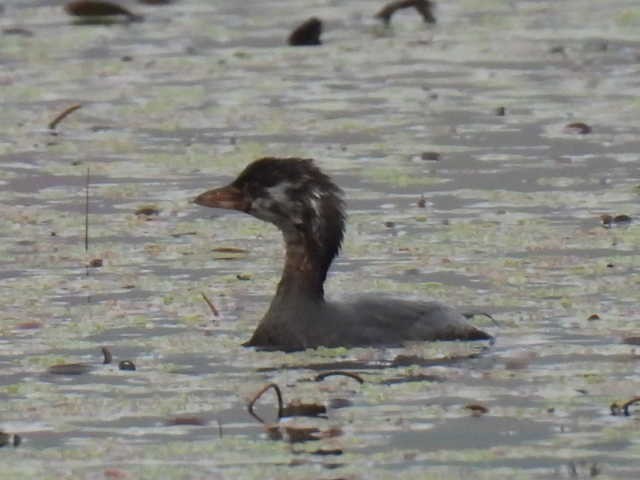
(365, 321)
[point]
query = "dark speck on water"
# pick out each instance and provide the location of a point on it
(430, 156)
(307, 34)
(126, 365)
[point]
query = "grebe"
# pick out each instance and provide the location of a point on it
(308, 208)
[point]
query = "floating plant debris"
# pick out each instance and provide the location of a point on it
(212, 307)
(115, 473)
(155, 2)
(86, 210)
(299, 409)
(69, 369)
(96, 263)
(293, 409)
(430, 156)
(423, 7)
(414, 378)
(229, 250)
(623, 409)
(301, 434)
(106, 353)
(29, 325)
(243, 276)
(95, 8)
(183, 234)
(340, 403)
(7, 439)
(578, 127)
(409, 360)
(476, 409)
(324, 451)
(126, 365)
(62, 115)
(259, 393)
(17, 31)
(306, 34)
(631, 340)
(333, 373)
(500, 111)
(609, 220)
(197, 421)
(147, 211)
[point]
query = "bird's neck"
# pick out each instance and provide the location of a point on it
(304, 273)
(310, 249)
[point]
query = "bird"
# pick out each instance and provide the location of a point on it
(308, 208)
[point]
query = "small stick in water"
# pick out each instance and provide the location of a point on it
(332, 373)
(213, 308)
(259, 393)
(86, 213)
(107, 356)
(54, 123)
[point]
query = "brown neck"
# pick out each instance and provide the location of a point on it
(304, 274)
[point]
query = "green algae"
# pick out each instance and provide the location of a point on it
(194, 103)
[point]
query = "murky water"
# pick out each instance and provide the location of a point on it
(511, 226)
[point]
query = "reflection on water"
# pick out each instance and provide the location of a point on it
(510, 224)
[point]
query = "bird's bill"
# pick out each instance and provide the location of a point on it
(228, 197)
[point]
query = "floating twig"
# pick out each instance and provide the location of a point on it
(61, 116)
(179, 421)
(259, 393)
(86, 213)
(355, 376)
(182, 234)
(229, 250)
(413, 378)
(213, 308)
(424, 8)
(107, 356)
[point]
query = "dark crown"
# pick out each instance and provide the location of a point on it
(295, 195)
